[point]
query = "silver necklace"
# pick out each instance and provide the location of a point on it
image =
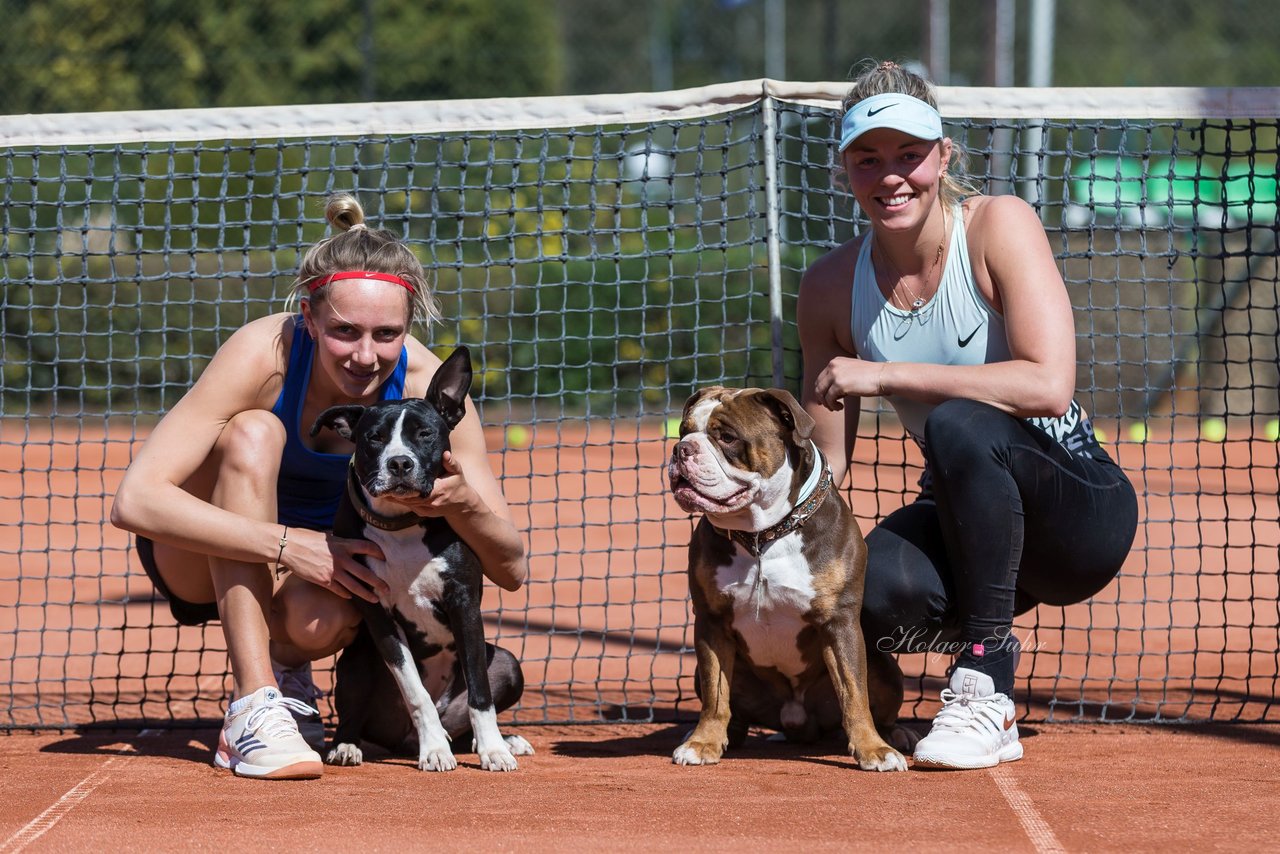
(917, 302)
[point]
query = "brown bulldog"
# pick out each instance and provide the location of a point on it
(776, 569)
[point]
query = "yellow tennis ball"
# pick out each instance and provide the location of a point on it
(1272, 430)
(518, 436)
(673, 428)
(1100, 434)
(1138, 432)
(1213, 429)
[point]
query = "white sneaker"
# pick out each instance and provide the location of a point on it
(261, 740)
(975, 728)
(296, 684)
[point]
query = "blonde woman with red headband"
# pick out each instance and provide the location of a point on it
(231, 500)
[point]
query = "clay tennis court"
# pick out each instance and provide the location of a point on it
(602, 629)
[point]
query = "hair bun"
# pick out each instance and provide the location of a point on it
(344, 212)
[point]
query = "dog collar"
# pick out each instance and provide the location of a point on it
(756, 542)
(371, 516)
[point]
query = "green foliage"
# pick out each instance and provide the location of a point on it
(622, 46)
(78, 55)
(1167, 43)
(465, 49)
(81, 55)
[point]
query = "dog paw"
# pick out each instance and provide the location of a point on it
(518, 746)
(697, 753)
(883, 758)
(344, 754)
(437, 759)
(498, 759)
(902, 738)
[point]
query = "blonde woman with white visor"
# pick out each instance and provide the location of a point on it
(951, 307)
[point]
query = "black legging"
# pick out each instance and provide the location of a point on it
(1015, 520)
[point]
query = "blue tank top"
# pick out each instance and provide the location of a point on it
(311, 482)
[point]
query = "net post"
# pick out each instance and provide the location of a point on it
(769, 114)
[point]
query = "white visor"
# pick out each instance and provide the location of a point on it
(890, 110)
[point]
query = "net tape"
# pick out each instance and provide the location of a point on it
(603, 257)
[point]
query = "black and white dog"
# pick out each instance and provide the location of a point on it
(427, 628)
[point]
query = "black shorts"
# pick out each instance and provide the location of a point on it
(186, 613)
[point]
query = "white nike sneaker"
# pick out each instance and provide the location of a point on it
(262, 740)
(296, 684)
(975, 728)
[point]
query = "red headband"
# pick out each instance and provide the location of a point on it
(358, 274)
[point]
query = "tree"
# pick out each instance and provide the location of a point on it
(82, 55)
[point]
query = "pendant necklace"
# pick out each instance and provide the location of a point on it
(917, 302)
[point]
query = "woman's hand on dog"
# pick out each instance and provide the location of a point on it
(330, 562)
(450, 495)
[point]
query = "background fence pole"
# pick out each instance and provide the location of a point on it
(771, 201)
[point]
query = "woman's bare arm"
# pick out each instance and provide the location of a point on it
(243, 375)
(822, 303)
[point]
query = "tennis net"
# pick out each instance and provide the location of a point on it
(602, 257)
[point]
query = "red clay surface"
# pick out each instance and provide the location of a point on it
(613, 788)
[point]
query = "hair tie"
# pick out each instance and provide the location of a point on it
(321, 281)
(358, 225)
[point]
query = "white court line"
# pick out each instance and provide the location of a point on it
(1038, 830)
(39, 825)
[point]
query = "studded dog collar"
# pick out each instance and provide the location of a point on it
(371, 516)
(757, 542)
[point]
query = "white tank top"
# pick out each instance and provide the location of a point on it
(956, 327)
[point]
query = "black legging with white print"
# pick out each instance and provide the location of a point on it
(1014, 519)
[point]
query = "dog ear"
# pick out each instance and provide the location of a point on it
(449, 387)
(340, 419)
(789, 412)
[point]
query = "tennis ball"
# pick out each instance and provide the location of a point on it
(518, 436)
(1272, 430)
(673, 428)
(1213, 429)
(1100, 434)
(1138, 432)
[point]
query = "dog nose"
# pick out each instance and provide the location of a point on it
(399, 466)
(684, 450)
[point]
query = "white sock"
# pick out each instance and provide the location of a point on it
(238, 706)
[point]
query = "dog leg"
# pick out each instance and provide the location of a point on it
(494, 752)
(884, 687)
(355, 674)
(434, 753)
(756, 700)
(846, 658)
(506, 679)
(715, 648)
